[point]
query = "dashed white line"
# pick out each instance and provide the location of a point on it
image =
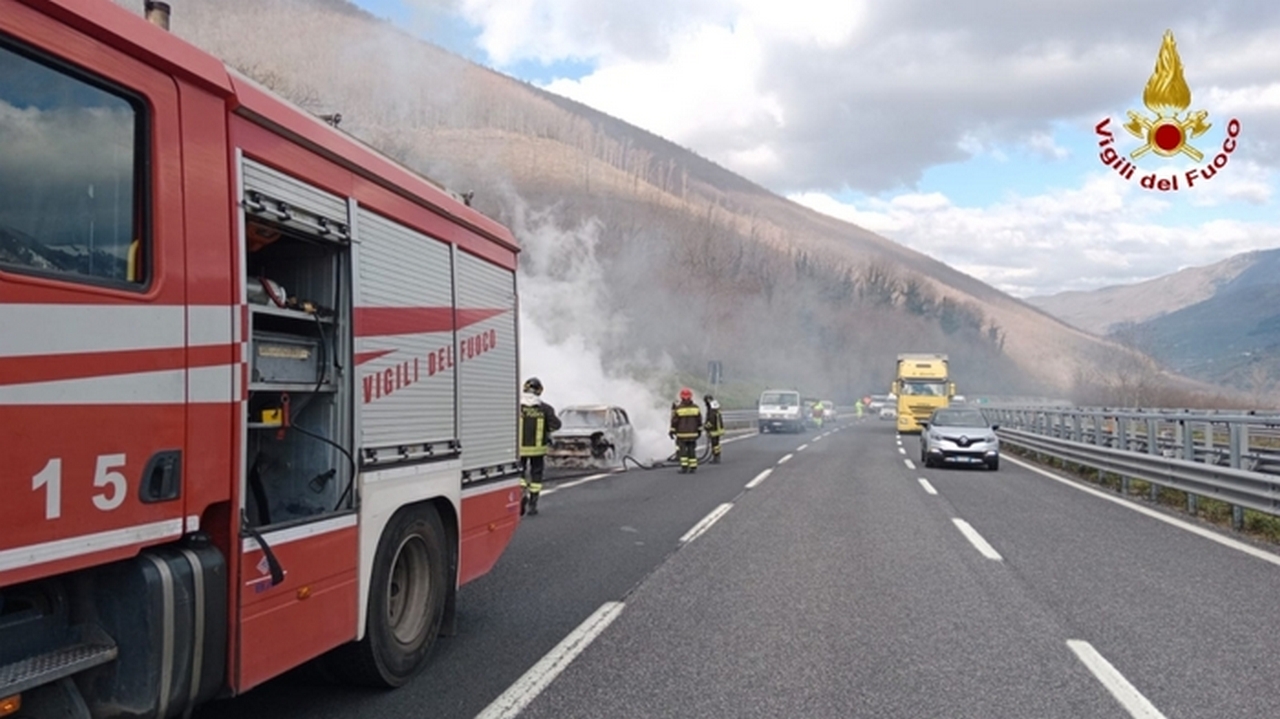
(976, 540)
(819, 438)
(759, 478)
(1124, 692)
(540, 675)
(802, 448)
(1225, 541)
(785, 458)
(902, 450)
(705, 524)
(909, 463)
(927, 487)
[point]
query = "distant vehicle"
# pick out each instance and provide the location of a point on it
(959, 435)
(780, 409)
(878, 401)
(829, 410)
(922, 384)
(887, 412)
(591, 436)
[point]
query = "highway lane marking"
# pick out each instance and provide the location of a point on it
(1174, 521)
(785, 459)
(927, 487)
(910, 464)
(759, 478)
(540, 675)
(706, 522)
(819, 438)
(1124, 692)
(902, 450)
(802, 448)
(576, 482)
(976, 539)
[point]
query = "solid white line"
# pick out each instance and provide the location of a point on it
(785, 459)
(540, 675)
(576, 482)
(976, 540)
(702, 526)
(802, 448)
(927, 487)
(902, 450)
(759, 478)
(1124, 692)
(910, 464)
(1180, 524)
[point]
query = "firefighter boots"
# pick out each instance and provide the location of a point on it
(533, 503)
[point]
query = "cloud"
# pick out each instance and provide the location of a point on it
(813, 95)
(1104, 232)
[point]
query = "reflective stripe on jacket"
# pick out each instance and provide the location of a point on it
(537, 421)
(686, 420)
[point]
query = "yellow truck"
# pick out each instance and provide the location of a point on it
(922, 384)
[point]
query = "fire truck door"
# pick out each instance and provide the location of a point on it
(93, 361)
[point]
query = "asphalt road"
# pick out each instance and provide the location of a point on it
(839, 585)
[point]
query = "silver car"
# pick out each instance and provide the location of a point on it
(591, 436)
(959, 435)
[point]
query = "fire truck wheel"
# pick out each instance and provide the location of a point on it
(406, 600)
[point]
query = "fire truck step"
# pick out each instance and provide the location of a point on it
(51, 666)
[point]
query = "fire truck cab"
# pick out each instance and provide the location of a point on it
(258, 383)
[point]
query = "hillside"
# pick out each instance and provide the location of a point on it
(1099, 311)
(691, 262)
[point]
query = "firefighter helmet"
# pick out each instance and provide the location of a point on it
(534, 385)
(686, 394)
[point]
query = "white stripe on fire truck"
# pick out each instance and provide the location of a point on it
(208, 385)
(211, 324)
(304, 531)
(88, 544)
(89, 328)
(214, 384)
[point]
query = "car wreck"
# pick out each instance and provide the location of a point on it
(590, 436)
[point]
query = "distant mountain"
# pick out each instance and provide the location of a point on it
(1099, 311)
(1219, 324)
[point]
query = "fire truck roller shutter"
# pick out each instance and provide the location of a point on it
(276, 197)
(487, 368)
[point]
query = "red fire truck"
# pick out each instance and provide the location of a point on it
(258, 383)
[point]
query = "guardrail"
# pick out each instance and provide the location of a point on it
(1233, 457)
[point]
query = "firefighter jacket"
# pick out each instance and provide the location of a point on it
(686, 420)
(715, 420)
(537, 421)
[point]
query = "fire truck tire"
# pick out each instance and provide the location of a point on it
(406, 601)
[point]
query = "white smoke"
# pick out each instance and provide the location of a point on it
(566, 324)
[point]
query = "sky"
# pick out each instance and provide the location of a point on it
(964, 130)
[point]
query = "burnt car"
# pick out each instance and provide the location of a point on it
(591, 436)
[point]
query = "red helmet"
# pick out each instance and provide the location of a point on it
(686, 394)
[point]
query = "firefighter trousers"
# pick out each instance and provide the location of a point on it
(687, 448)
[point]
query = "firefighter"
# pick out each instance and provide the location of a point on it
(537, 421)
(686, 426)
(819, 410)
(714, 426)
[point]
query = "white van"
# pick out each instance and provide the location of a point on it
(780, 409)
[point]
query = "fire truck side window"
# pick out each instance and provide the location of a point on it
(70, 174)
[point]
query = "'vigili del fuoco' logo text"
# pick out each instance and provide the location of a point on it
(1169, 131)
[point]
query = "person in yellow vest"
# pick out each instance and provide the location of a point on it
(686, 427)
(819, 413)
(714, 426)
(537, 421)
